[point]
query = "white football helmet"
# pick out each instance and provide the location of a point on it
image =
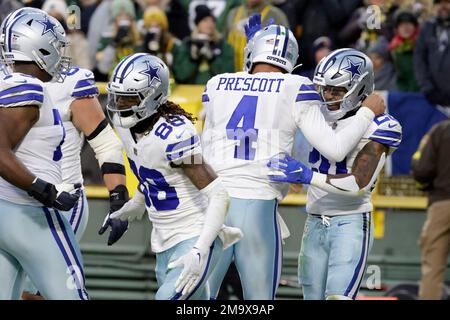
(140, 75)
(347, 68)
(30, 34)
(275, 45)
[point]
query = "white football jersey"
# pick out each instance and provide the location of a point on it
(385, 130)
(40, 150)
(79, 83)
(175, 206)
(251, 118)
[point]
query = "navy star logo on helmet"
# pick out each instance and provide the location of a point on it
(354, 69)
(151, 73)
(48, 26)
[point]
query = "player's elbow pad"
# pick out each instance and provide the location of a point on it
(215, 214)
(108, 149)
(218, 202)
(344, 186)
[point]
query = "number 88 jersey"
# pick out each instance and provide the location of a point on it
(174, 205)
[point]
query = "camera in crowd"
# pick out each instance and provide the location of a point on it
(152, 40)
(124, 34)
(202, 48)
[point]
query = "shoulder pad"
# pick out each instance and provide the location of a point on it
(386, 130)
(183, 141)
(81, 83)
(306, 90)
(19, 89)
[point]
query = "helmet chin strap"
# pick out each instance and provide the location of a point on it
(124, 122)
(332, 116)
(297, 66)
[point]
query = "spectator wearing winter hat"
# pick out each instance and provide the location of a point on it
(79, 48)
(175, 12)
(432, 56)
(238, 17)
(56, 8)
(402, 50)
(157, 40)
(123, 40)
(321, 47)
(204, 54)
(383, 69)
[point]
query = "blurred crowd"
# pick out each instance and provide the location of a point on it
(407, 40)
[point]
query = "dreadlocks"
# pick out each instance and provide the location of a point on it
(166, 110)
(170, 108)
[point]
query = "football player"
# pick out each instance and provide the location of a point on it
(250, 117)
(185, 200)
(338, 233)
(82, 115)
(34, 237)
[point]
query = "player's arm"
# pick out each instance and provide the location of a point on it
(88, 117)
(206, 180)
(194, 262)
(366, 167)
(14, 126)
(19, 111)
(334, 145)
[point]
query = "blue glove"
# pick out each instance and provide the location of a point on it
(117, 198)
(118, 228)
(287, 169)
(254, 25)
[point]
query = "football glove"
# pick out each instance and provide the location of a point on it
(254, 25)
(286, 169)
(62, 196)
(117, 198)
(193, 263)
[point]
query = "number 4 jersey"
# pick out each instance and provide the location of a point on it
(252, 117)
(385, 130)
(175, 206)
(40, 150)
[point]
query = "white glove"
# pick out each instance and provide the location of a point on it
(194, 264)
(132, 209)
(285, 233)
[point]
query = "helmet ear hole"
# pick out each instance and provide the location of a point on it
(44, 52)
(361, 91)
(336, 75)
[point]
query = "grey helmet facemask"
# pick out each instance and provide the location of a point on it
(349, 69)
(141, 76)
